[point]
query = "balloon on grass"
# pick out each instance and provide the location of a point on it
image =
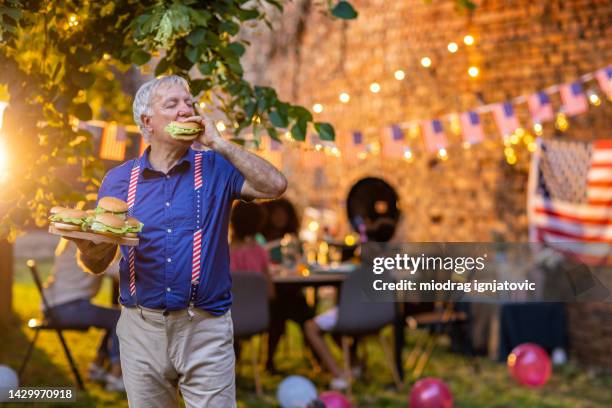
(530, 365)
(430, 393)
(296, 391)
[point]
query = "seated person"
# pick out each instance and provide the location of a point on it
(69, 291)
(381, 230)
(289, 302)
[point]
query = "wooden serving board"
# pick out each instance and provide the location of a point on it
(91, 236)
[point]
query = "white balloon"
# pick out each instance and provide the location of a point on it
(8, 379)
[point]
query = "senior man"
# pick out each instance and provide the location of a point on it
(175, 330)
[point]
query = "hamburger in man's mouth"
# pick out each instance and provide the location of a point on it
(184, 130)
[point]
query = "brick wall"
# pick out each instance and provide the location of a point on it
(521, 46)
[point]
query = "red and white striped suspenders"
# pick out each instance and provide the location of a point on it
(197, 235)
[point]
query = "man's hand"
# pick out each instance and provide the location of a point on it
(92, 250)
(210, 134)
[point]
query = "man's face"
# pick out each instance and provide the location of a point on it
(169, 103)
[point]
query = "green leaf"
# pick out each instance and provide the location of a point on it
(162, 66)
(199, 17)
(325, 131)
(229, 27)
(82, 111)
(301, 113)
(344, 11)
(273, 133)
(192, 53)
(298, 130)
(249, 110)
(206, 68)
(140, 57)
(278, 119)
(237, 48)
(196, 37)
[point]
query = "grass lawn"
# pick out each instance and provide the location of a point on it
(476, 382)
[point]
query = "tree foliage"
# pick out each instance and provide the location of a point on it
(62, 60)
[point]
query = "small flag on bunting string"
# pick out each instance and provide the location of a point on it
(574, 100)
(354, 145)
(471, 127)
(393, 142)
(311, 157)
(435, 139)
(604, 78)
(540, 107)
(111, 148)
(506, 120)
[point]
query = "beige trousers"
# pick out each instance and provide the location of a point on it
(162, 354)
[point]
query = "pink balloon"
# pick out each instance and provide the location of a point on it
(430, 393)
(530, 365)
(334, 399)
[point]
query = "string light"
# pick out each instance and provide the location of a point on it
(408, 156)
(399, 75)
(455, 124)
(375, 87)
(317, 107)
(202, 105)
(452, 47)
(537, 128)
(468, 40)
(426, 62)
(561, 122)
(344, 97)
(473, 72)
(532, 147)
(288, 135)
(594, 98)
(413, 132)
(220, 126)
(442, 154)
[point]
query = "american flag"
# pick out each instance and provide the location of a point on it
(540, 107)
(574, 100)
(604, 78)
(111, 147)
(570, 198)
(435, 139)
(506, 120)
(353, 146)
(393, 142)
(471, 127)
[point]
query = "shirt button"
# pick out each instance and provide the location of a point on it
(168, 289)
(167, 203)
(169, 260)
(169, 230)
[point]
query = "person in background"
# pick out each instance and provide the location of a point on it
(289, 303)
(246, 254)
(69, 291)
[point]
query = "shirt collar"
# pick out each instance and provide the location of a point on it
(183, 163)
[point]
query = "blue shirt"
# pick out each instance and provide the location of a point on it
(166, 205)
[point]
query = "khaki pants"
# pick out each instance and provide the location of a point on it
(162, 352)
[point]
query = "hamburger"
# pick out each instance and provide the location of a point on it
(184, 130)
(109, 224)
(114, 206)
(68, 219)
(133, 227)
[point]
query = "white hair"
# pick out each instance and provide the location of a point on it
(142, 100)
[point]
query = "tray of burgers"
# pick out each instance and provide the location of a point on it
(109, 222)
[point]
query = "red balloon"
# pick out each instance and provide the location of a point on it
(334, 399)
(530, 365)
(430, 393)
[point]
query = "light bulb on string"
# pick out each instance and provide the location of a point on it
(317, 107)
(408, 156)
(426, 62)
(375, 87)
(593, 98)
(442, 154)
(561, 122)
(220, 126)
(344, 97)
(468, 40)
(452, 47)
(537, 128)
(473, 72)
(399, 75)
